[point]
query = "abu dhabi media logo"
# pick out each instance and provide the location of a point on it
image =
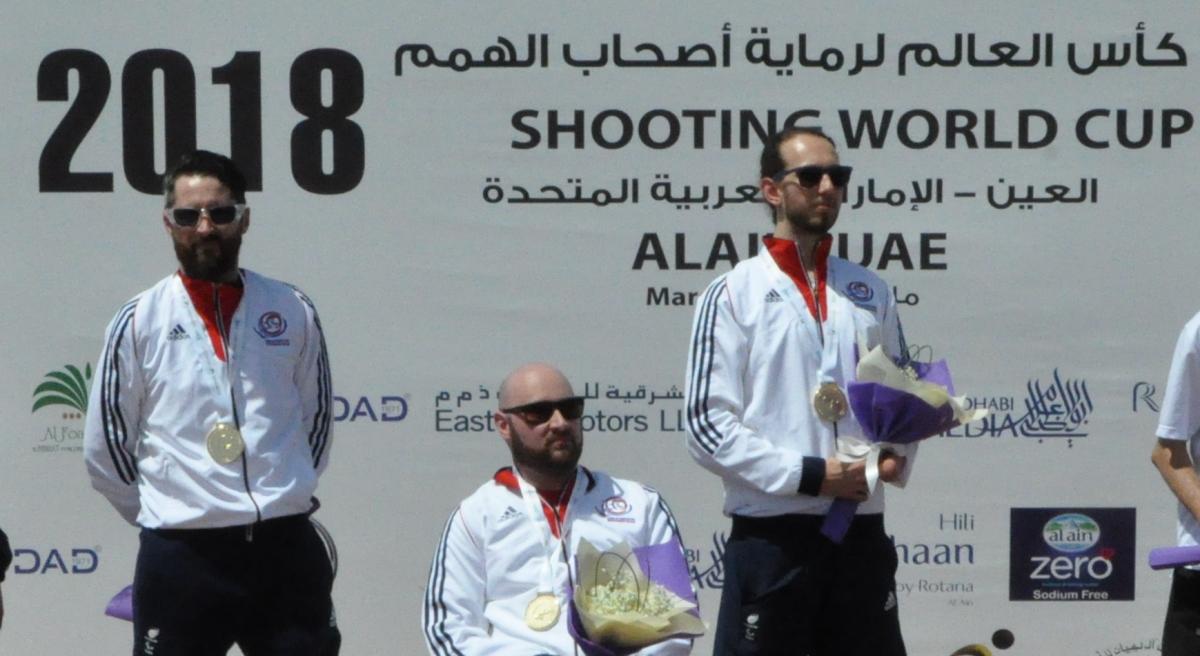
(1055, 409)
(1072, 554)
(65, 392)
(707, 567)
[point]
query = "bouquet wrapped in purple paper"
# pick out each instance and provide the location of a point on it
(895, 407)
(628, 599)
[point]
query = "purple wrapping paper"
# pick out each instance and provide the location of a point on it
(121, 605)
(1165, 557)
(662, 564)
(889, 415)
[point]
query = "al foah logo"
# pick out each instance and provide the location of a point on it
(64, 391)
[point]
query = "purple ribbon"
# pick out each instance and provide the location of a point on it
(121, 605)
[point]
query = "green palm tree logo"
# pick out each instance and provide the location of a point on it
(68, 387)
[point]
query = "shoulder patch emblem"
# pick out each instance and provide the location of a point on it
(859, 291)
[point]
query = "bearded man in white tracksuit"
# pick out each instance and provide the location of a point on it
(774, 344)
(500, 580)
(208, 427)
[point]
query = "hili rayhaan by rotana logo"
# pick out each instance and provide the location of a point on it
(66, 391)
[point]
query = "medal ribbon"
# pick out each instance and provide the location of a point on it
(791, 293)
(551, 545)
(220, 344)
(229, 375)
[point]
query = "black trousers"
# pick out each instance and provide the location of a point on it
(197, 592)
(790, 591)
(1181, 631)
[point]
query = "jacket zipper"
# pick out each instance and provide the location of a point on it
(812, 285)
(237, 422)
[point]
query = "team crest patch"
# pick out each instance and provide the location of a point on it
(859, 291)
(270, 326)
(614, 507)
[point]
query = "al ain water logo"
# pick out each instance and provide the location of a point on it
(1071, 533)
(68, 387)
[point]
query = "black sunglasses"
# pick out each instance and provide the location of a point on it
(540, 412)
(810, 176)
(187, 217)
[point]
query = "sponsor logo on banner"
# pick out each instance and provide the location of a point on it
(939, 559)
(707, 565)
(464, 411)
(1056, 408)
(67, 560)
(639, 408)
(384, 408)
(942, 567)
(1072, 554)
(63, 395)
(1145, 396)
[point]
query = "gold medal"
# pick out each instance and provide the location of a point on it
(225, 443)
(829, 402)
(542, 612)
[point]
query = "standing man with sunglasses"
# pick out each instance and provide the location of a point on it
(208, 426)
(773, 347)
(499, 580)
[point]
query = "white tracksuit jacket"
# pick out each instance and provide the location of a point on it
(1180, 415)
(488, 564)
(755, 359)
(159, 388)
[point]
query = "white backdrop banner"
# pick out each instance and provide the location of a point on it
(461, 189)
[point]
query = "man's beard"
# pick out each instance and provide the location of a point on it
(546, 461)
(810, 224)
(199, 261)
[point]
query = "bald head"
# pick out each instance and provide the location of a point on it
(533, 382)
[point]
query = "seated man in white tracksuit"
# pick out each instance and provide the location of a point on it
(773, 347)
(499, 580)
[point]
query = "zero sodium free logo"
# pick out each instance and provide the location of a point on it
(1072, 554)
(1072, 533)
